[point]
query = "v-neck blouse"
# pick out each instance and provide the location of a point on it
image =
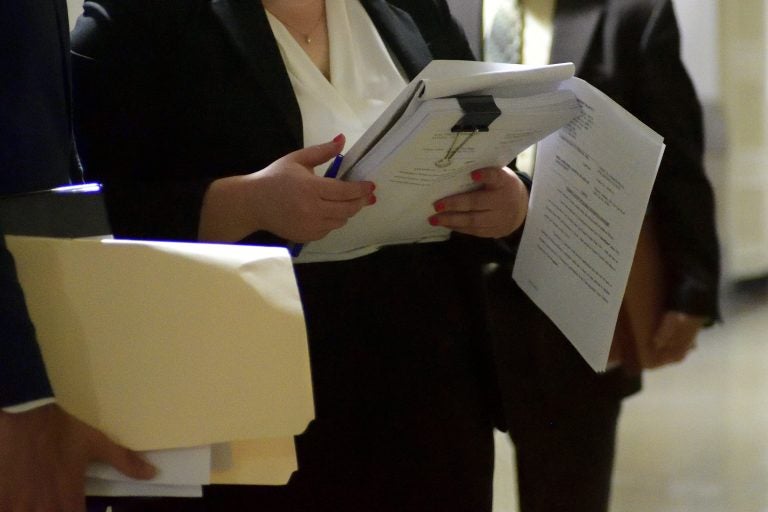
(364, 77)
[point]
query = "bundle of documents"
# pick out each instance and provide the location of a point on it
(594, 171)
(194, 353)
(453, 118)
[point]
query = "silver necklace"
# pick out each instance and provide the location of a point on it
(306, 36)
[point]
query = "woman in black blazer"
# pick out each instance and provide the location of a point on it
(186, 110)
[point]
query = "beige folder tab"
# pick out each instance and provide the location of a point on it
(262, 461)
(166, 345)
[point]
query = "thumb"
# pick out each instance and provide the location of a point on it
(313, 156)
(126, 461)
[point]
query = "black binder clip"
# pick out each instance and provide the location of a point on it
(479, 113)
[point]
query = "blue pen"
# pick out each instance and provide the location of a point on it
(333, 169)
(332, 172)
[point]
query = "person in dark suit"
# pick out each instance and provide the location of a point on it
(563, 423)
(43, 450)
(204, 119)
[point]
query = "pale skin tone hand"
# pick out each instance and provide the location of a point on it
(286, 199)
(496, 209)
(675, 337)
(43, 457)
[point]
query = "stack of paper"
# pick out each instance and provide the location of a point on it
(415, 153)
(170, 346)
(595, 167)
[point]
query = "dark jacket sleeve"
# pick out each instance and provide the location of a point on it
(443, 33)
(36, 152)
(682, 200)
(22, 372)
(36, 146)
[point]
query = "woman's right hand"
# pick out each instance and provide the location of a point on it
(286, 198)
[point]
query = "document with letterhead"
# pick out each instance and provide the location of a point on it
(592, 182)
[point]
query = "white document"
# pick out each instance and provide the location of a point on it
(182, 472)
(414, 157)
(181, 466)
(98, 487)
(592, 182)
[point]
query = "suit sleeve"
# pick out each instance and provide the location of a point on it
(442, 32)
(36, 152)
(22, 372)
(682, 200)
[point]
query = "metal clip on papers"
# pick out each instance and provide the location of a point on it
(479, 113)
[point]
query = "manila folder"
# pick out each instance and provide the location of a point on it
(165, 345)
(643, 305)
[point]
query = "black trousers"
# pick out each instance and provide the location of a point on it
(562, 416)
(565, 465)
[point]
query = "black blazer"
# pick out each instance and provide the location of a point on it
(203, 93)
(630, 50)
(36, 152)
(206, 44)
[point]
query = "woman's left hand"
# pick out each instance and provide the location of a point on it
(495, 210)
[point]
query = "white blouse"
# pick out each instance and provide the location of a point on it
(364, 76)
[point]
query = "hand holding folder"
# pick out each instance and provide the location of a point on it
(168, 345)
(638, 342)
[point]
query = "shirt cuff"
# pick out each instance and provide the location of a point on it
(28, 406)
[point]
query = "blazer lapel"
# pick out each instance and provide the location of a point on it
(245, 22)
(574, 29)
(402, 39)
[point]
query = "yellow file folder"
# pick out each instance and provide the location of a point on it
(166, 345)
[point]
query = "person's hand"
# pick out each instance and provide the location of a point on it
(495, 210)
(287, 199)
(43, 456)
(675, 337)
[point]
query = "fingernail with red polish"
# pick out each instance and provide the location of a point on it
(476, 175)
(338, 138)
(372, 199)
(439, 206)
(433, 221)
